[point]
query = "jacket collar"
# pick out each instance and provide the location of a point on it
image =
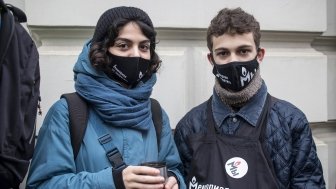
(249, 112)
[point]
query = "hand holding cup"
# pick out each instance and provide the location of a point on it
(158, 165)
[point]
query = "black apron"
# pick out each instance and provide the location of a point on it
(231, 161)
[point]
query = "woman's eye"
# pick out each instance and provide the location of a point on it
(122, 45)
(144, 47)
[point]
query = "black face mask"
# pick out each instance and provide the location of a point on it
(235, 75)
(128, 70)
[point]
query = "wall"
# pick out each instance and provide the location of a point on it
(65, 27)
(299, 37)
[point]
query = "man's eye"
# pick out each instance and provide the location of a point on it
(222, 53)
(244, 51)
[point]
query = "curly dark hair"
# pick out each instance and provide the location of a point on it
(98, 50)
(233, 21)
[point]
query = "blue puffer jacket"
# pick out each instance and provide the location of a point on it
(124, 113)
(289, 141)
(53, 164)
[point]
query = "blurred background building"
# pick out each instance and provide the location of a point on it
(299, 37)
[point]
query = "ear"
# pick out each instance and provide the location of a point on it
(210, 58)
(260, 54)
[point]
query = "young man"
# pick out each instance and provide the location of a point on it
(242, 137)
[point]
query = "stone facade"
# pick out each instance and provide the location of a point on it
(299, 65)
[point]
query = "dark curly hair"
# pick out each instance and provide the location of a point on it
(233, 21)
(98, 50)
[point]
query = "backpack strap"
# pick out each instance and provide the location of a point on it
(6, 32)
(113, 155)
(8, 26)
(20, 16)
(157, 119)
(78, 119)
(2, 3)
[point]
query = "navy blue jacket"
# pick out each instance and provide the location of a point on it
(288, 137)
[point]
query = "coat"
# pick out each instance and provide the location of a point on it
(288, 138)
(53, 163)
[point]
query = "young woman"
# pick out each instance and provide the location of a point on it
(115, 74)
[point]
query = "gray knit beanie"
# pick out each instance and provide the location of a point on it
(113, 14)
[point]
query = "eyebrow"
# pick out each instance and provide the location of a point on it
(129, 41)
(239, 47)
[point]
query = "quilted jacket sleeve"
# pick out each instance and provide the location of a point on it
(307, 168)
(293, 149)
(181, 143)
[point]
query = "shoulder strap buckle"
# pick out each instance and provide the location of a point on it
(116, 159)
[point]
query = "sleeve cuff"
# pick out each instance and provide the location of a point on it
(170, 174)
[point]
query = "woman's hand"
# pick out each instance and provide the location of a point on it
(171, 183)
(144, 177)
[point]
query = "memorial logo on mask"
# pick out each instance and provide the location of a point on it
(235, 75)
(129, 70)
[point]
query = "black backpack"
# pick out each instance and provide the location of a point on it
(79, 114)
(19, 96)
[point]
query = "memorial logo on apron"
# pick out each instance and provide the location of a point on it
(236, 167)
(194, 185)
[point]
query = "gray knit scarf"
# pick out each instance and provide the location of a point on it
(238, 99)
